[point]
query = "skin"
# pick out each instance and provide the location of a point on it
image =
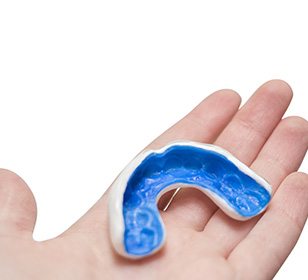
(201, 240)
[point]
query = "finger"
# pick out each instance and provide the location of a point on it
(203, 124)
(284, 152)
(254, 123)
(263, 251)
(280, 156)
(205, 121)
(17, 206)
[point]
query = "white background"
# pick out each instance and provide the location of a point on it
(85, 85)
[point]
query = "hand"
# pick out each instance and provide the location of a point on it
(202, 242)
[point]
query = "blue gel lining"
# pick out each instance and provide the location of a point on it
(144, 231)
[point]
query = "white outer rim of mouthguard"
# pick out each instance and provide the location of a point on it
(118, 187)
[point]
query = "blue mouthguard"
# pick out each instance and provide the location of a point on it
(233, 186)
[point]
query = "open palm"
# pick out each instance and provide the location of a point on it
(202, 242)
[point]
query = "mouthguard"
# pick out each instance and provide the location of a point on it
(136, 228)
